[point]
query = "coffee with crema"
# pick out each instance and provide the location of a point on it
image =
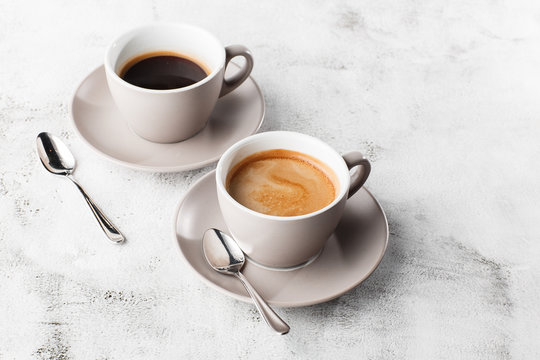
(282, 183)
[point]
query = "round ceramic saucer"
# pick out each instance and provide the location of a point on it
(351, 254)
(100, 124)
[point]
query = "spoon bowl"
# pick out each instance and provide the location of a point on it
(54, 154)
(222, 252)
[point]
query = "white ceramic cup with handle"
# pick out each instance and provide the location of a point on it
(287, 241)
(173, 115)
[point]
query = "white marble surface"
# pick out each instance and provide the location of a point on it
(443, 96)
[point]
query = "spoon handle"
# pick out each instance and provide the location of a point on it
(269, 315)
(108, 228)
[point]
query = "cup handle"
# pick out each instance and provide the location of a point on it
(359, 176)
(234, 81)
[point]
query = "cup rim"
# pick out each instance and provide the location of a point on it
(112, 73)
(221, 187)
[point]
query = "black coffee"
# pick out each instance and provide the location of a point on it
(162, 71)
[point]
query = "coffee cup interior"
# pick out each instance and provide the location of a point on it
(288, 141)
(193, 43)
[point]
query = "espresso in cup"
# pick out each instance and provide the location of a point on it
(165, 79)
(163, 70)
(282, 194)
(282, 182)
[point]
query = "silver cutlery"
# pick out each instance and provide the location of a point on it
(57, 159)
(225, 256)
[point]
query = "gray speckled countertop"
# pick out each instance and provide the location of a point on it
(442, 96)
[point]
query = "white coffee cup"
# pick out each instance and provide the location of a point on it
(173, 115)
(287, 241)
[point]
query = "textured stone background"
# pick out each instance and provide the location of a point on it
(442, 96)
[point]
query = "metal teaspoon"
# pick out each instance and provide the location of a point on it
(225, 256)
(57, 159)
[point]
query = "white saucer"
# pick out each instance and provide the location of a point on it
(352, 253)
(99, 123)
